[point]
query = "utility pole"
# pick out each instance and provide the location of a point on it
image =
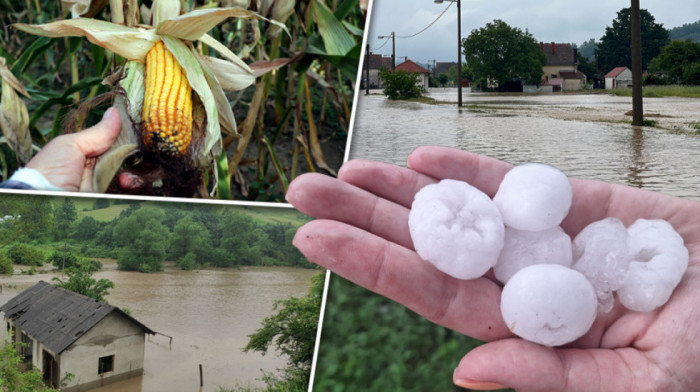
(393, 49)
(459, 48)
(367, 70)
(637, 105)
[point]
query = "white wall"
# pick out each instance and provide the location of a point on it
(114, 335)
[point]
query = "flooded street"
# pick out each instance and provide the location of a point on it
(572, 132)
(209, 313)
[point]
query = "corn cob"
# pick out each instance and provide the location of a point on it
(167, 105)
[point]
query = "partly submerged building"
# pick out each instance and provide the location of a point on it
(618, 77)
(70, 334)
(423, 74)
(561, 70)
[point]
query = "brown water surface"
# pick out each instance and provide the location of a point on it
(209, 313)
(577, 133)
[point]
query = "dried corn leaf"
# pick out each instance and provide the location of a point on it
(316, 151)
(108, 165)
(194, 24)
(230, 75)
(224, 51)
(262, 67)
(132, 43)
(226, 118)
(163, 10)
(14, 117)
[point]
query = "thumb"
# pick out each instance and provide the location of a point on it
(97, 139)
(526, 366)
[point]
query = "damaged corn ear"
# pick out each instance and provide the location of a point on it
(167, 104)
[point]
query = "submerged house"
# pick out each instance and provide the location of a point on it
(423, 74)
(68, 333)
(618, 77)
(561, 70)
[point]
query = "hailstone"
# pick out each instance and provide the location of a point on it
(457, 228)
(534, 197)
(601, 253)
(659, 260)
(548, 304)
(523, 248)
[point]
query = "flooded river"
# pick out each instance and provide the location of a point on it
(584, 135)
(209, 313)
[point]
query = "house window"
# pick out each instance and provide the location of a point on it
(106, 364)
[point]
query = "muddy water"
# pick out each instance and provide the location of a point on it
(209, 314)
(572, 132)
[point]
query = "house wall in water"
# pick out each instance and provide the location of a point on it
(115, 344)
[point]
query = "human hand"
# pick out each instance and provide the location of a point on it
(66, 161)
(362, 234)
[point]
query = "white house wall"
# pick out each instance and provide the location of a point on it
(114, 335)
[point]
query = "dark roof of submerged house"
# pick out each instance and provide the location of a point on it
(57, 317)
(559, 54)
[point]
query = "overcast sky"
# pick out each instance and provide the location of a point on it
(572, 21)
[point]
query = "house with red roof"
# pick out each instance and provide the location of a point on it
(410, 66)
(618, 77)
(561, 70)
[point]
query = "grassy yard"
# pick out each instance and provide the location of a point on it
(661, 91)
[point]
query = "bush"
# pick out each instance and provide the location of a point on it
(61, 259)
(187, 262)
(21, 253)
(400, 84)
(6, 267)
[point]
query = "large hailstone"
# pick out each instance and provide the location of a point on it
(457, 228)
(601, 253)
(548, 304)
(659, 260)
(534, 197)
(523, 248)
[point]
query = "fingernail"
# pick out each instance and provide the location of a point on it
(108, 112)
(478, 385)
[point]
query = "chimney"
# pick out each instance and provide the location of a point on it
(553, 50)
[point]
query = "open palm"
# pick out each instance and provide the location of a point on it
(362, 234)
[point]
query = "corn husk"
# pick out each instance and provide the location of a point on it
(14, 117)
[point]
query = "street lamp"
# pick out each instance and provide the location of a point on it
(459, 48)
(393, 48)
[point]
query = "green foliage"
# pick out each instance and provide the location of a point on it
(143, 240)
(87, 229)
(100, 204)
(500, 53)
(292, 332)
(442, 78)
(62, 259)
(12, 378)
(614, 47)
(31, 217)
(6, 267)
(587, 50)
(370, 343)
(21, 253)
(66, 214)
(190, 238)
(400, 84)
(80, 280)
(689, 31)
(187, 262)
(680, 62)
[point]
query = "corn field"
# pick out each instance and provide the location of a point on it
(290, 97)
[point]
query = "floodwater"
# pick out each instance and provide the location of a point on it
(582, 134)
(209, 313)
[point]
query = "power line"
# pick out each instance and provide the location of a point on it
(428, 26)
(382, 45)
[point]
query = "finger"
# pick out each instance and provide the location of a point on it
(86, 180)
(324, 197)
(529, 367)
(98, 138)
(469, 307)
(390, 182)
(442, 162)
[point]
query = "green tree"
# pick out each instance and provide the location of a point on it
(66, 214)
(100, 204)
(400, 84)
(12, 378)
(80, 280)
(189, 237)
(24, 216)
(63, 259)
(500, 53)
(587, 49)
(677, 60)
(292, 332)
(143, 240)
(87, 229)
(6, 267)
(442, 78)
(239, 239)
(614, 49)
